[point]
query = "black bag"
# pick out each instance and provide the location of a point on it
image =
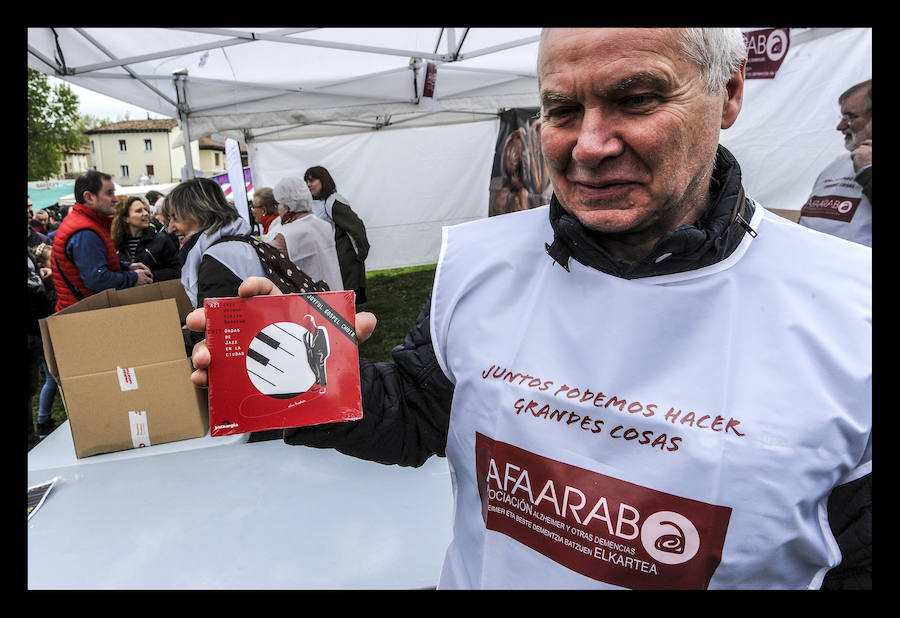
(279, 269)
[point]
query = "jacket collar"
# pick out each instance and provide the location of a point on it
(708, 240)
(195, 248)
(105, 220)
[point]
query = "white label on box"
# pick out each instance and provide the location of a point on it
(140, 432)
(127, 378)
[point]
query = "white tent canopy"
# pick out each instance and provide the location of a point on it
(296, 82)
(353, 100)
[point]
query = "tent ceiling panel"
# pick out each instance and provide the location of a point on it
(291, 76)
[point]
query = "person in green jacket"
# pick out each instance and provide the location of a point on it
(349, 230)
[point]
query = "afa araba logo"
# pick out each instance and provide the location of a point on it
(772, 45)
(670, 537)
(776, 45)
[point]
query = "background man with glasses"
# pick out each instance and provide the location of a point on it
(840, 203)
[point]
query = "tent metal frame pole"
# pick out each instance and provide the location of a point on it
(496, 48)
(278, 38)
(239, 39)
(183, 112)
(128, 69)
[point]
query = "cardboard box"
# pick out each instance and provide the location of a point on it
(121, 365)
(282, 361)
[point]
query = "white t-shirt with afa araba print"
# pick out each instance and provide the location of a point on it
(679, 431)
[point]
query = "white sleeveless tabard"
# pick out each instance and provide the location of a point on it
(679, 431)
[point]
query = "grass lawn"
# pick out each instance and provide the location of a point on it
(395, 297)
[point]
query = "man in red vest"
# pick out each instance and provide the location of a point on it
(84, 258)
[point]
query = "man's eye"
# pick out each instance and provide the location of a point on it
(636, 100)
(559, 112)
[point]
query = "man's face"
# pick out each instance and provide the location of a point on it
(629, 128)
(856, 121)
(103, 202)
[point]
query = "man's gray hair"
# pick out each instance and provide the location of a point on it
(719, 52)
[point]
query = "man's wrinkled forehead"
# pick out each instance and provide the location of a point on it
(641, 49)
(599, 42)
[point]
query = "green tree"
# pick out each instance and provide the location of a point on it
(86, 122)
(52, 125)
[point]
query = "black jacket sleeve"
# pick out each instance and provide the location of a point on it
(163, 252)
(406, 407)
(850, 516)
(864, 178)
(349, 222)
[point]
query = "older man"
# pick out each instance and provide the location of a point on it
(633, 389)
(841, 199)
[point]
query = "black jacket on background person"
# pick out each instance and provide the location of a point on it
(158, 252)
(406, 403)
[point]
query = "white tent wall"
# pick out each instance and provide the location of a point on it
(405, 184)
(786, 131)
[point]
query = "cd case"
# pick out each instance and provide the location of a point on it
(282, 361)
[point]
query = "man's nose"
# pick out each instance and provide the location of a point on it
(598, 138)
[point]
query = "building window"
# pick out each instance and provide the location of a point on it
(122, 146)
(92, 146)
(148, 145)
(149, 170)
(123, 171)
(217, 159)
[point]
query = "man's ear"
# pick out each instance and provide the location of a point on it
(734, 98)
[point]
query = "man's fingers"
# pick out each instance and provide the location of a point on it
(365, 324)
(200, 359)
(200, 378)
(257, 286)
(196, 320)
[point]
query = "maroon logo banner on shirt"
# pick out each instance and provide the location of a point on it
(835, 207)
(599, 526)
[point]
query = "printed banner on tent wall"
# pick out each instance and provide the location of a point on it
(519, 180)
(225, 181)
(766, 50)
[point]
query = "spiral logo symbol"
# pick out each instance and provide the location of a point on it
(776, 45)
(670, 537)
(845, 207)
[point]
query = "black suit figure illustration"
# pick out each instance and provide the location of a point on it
(316, 342)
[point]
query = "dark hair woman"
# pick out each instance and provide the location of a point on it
(350, 238)
(136, 240)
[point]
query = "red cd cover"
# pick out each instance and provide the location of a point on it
(282, 361)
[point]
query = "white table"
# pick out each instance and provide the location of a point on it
(224, 513)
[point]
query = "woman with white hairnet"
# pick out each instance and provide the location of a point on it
(307, 240)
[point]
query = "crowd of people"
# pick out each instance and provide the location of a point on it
(650, 274)
(193, 234)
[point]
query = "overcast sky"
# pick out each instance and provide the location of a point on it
(102, 106)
